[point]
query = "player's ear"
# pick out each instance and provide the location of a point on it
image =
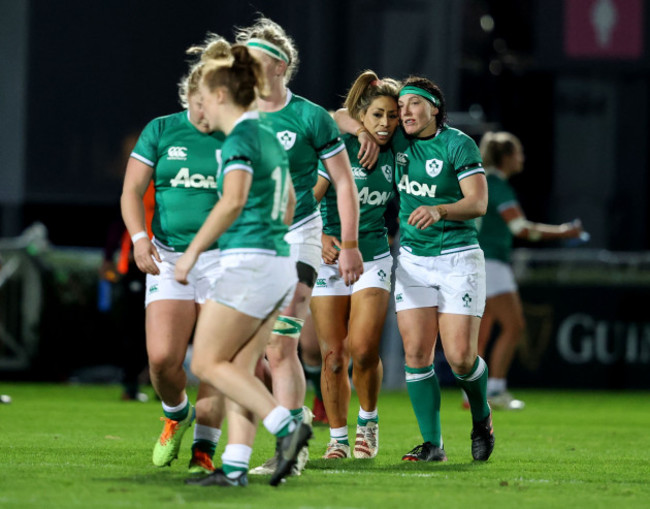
(221, 94)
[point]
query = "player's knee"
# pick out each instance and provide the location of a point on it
(461, 362)
(365, 358)
(282, 351)
(416, 357)
(161, 362)
(336, 361)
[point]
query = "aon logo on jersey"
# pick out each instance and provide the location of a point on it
(416, 188)
(184, 179)
(374, 198)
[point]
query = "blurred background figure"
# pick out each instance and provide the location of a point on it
(503, 157)
(121, 289)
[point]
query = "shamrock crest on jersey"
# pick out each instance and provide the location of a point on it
(433, 167)
(387, 170)
(287, 139)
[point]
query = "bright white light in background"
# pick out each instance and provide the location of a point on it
(487, 23)
(604, 17)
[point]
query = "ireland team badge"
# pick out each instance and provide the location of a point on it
(287, 138)
(433, 167)
(388, 172)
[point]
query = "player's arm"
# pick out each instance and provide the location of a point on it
(321, 187)
(236, 185)
(524, 229)
(331, 245)
(137, 178)
(369, 151)
(473, 204)
(347, 199)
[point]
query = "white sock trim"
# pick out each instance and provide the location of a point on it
(177, 408)
(277, 419)
(339, 433)
(496, 385)
(237, 455)
(367, 415)
(203, 432)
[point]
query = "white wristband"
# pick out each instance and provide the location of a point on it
(140, 235)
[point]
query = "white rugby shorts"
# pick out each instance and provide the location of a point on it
(499, 278)
(376, 274)
(164, 287)
(454, 282)
(305, 243)
(255, 284)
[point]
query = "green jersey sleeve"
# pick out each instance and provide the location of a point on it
(494, 236)
(326, 137)
(237, 154)
(465, 156)
(146, 148)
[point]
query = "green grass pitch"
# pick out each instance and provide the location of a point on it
(79, 446)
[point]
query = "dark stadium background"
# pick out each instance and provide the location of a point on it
(78, 76)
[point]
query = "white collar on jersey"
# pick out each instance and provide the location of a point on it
(289, 96)
(248, 115)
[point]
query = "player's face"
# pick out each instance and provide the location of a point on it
(210, 108)
(381, 119)
(197, 117)
(272, 68)
(516, 160)
(418, 115)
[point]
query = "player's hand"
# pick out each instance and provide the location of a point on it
(330, 253)
(369, 151)
(573, 229)
(350, 265)
(424, 216)
(184, 265)
(144, 253)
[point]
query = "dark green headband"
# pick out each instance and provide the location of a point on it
(410, 89)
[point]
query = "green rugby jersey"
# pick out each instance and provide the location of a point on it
(308, 134)
(375, 189)
(494, 235)
(252, 147)
(428, 172)
(184, 162)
